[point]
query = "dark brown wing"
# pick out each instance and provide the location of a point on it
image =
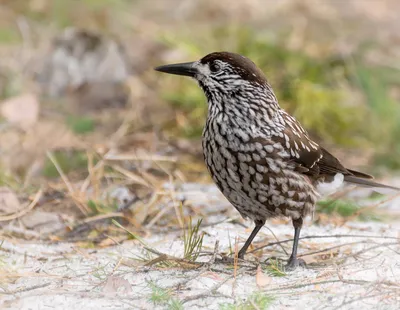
(307, 153)
(314, 160)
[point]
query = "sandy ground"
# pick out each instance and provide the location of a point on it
(353, 266)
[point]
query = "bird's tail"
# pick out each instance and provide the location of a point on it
(365, 180)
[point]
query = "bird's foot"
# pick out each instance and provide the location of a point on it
(294, 263)
(229, 260)
(226, 260)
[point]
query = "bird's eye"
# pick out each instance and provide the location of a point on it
(215, 67)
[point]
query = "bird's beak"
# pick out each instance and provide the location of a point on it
(186, 69)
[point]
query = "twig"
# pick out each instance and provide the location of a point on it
(60, 172)
(371, 248)
(82, 207)
(235, 258)
(325, 236)
(86, 182)
(332, 248)
(360, 282)
(208, 293)
(27, 289)
(356, 300)
(24, 211)
(213, 257)
(206, 266)
(276, 238)
(302, 285)
(176, 204)
(131, 176)
(102, 217)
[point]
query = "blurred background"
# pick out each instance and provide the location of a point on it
(88, 129)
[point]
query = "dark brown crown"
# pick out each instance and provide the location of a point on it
(240, 64)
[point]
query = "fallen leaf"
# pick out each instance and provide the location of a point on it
(311, 259)
(22, 110)
(262, 279)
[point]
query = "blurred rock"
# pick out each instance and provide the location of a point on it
(99, 95)
(42, 222)
(82, 63)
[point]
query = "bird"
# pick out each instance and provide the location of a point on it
(260, 157)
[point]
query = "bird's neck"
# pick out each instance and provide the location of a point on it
(246, 104)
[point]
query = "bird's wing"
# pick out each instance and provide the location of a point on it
(309, 157)
(313, 160)
(306, 153)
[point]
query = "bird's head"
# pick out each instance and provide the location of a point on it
(220, 72)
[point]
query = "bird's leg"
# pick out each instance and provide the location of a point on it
(294, 262)
(255, 231)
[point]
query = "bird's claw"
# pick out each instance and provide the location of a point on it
(294, 263)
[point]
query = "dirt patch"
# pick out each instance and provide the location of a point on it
(349, 266)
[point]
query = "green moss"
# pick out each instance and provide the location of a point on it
(376, 83)
(9, 35)
(318, 109)
(341, 207)
(346, 208)
(81, 125)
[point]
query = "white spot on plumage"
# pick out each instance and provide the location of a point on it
(243, 135)
(252, 170)
(302, 195)
(324, 188)
(294, 214)
(272, 165)
(259, 177)
(242, 157)
(262, 198)
(244, 167)
(256, 157)
(260, 168)
(269, 148)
